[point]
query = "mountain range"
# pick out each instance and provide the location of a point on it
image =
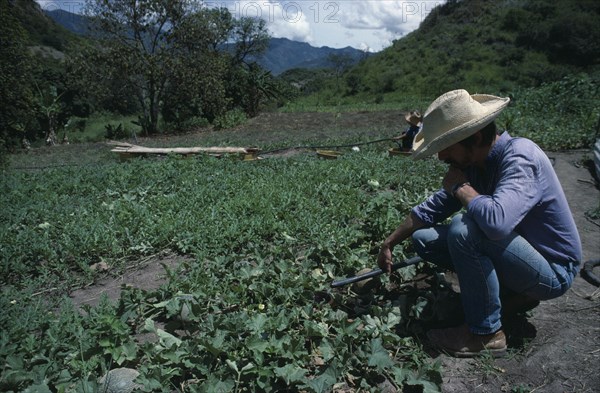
(486, 45)
(282, 54)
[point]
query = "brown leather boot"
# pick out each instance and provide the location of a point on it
(461, 343)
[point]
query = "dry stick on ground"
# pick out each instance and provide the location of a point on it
(586, 181)
(592, 221)
(44, 291)
(587, 308)
(594, 295)
(539, 387)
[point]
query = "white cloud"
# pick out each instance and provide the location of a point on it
(368, 25)
(394, 17)
(288, 20)
(72, 6)
(363, 24)
(284, 18)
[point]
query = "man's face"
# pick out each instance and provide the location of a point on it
(457, 156)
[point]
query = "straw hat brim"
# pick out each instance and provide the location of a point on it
(492, 106)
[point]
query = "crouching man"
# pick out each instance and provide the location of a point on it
(514, 244)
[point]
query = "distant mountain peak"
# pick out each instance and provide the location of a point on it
(283, 54)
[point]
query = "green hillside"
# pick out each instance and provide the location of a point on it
(491, 46)
(501, 47)
(34, 76)
(41, 30)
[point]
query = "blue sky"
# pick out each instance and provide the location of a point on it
(368, 25)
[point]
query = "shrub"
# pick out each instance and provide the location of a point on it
(3, 155)
(192, 123)
(557, 115)
(230, 119)
(116, 131)
(76, 124)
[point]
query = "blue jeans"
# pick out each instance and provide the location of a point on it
(485, 268)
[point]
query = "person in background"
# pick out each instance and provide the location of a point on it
(413, 119)
(514, 241)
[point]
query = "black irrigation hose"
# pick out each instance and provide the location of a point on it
(325, 147)
(51, 166)
(259, 153)
(588, 272)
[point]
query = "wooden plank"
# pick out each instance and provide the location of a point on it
(178, 150)
(128, 148)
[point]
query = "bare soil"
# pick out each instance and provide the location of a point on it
(555, 350)
(148, 274)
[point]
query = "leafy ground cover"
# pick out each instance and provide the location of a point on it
(249, 308)
(266, 236)
(558, 115)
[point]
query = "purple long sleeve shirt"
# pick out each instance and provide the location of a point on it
(519, 191)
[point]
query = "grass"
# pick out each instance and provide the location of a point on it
(388, 102)
(94, 128)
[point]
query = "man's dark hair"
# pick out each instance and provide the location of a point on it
(488, 133)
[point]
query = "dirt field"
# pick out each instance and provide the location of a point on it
(557, 349)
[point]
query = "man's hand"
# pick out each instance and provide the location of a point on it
(453, 176)
(410, 224)
(464, 192)
(384, 259)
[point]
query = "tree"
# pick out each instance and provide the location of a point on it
(49, 107)
(340, 63)
(251, 40)
(170, 54)
(15, 89)
(197, 85)
(257, 85)
(134, 48)
(231, 77)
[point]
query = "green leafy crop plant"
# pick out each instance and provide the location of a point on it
(557, 115)
(251, 310)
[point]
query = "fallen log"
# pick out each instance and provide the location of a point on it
(128, 149)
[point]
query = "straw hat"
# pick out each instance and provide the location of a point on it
(452, 117)
(413, 118)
